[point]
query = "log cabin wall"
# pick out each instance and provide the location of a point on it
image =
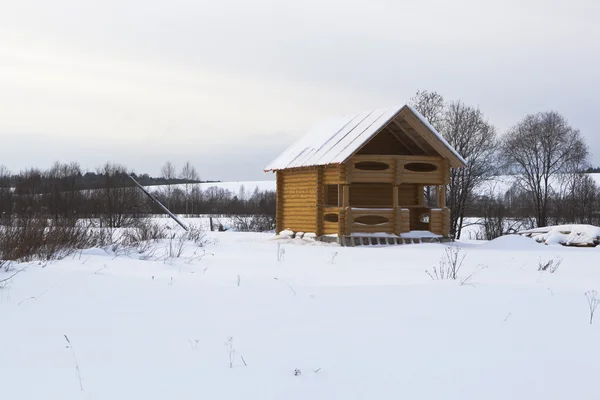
(297, 196)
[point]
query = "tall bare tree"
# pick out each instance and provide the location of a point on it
(473, 137)
(541, 149)
(189, 174)
(432, 106)
(169, 173)
(6, 196)
(118, 200)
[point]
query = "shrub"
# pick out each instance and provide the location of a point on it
(253, 223)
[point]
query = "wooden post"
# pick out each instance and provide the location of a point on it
(279, 201)
(395, 221)
(347, 210)
(442, 196)
(399, 171)
(320, 201)
(421, 195)
(349, 221)
(341, 224)
(346, 196)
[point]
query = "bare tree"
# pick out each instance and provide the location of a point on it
(6, 196)
(577, 200)
(431, 105)
(467, 130)
(189, 174)
(118, 200)
(169, 173)
(540, 149)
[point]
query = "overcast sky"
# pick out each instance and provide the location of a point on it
(228, 84)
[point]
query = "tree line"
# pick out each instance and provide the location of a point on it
(547, 158)
(65, 193)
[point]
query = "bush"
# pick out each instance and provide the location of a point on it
(253, 223)
(30, 239)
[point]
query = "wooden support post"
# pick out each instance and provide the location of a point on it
(442, 198)
(347, 210)
(320, 202)
(395, 221)
(279, 201)
(399, 171)
(421, 195)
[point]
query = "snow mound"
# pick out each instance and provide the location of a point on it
(510, 242)
(567, 235)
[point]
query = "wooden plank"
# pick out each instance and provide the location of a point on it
(341, 222)
(431, 138)
(346, 196)
(279, 201)
(320, 201)
(406, 130)
(408, 144)
(420, 195)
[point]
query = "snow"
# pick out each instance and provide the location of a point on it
(374, 234)
(569, 235)
(419, 234)
(333, 140)
(232, 186)
(287, 232)
(357, 322)
(336, 139)
(371, 209)
(512, 242)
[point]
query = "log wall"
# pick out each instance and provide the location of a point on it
(299, 195)
(320, 199)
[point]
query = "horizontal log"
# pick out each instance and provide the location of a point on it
(300, 203)
(388, 228)
(299, 171)
(300, 177)
(300, 184)
(299, 214)
(298, 196)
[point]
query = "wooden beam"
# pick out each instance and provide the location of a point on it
(410, 148)
(279, 201)
(417, 138)
(412, 138)
(431, 138)
(442, 193)
(320, 201)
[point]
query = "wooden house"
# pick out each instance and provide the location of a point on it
(365, 175)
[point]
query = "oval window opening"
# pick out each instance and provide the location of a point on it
(371, 220)
(421, 167)
(371, 166)
(424, 218)
(331, 218)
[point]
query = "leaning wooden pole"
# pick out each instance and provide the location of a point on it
(154, 199)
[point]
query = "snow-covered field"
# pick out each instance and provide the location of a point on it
(498, 186)
(303, 320)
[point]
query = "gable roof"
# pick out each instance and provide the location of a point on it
(335, 140)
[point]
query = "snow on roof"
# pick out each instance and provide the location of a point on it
(336, 139)
(436, 133)
(333, 140)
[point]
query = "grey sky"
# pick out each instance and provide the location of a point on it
(229, 84)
